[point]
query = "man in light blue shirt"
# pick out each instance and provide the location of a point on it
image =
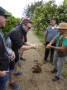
(51, 32)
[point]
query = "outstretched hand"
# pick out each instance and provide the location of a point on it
(35, 46)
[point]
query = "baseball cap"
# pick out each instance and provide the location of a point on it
(3, 13)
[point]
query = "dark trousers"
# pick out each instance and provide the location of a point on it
(47, 53)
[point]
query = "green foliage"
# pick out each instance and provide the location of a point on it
(11, 22)
(44, 13)
(64, 74)
(62, 11)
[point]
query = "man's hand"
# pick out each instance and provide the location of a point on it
(48, 46)
(35, 46)
(12, 56)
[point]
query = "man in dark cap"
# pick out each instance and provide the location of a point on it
(4, 54)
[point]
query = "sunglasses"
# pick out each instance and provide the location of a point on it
(28, 27)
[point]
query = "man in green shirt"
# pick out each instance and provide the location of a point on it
(60, 50)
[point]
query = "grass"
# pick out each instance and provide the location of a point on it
(39, 35)
(64, 74)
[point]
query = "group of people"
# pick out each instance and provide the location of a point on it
(55, 39)
(19, 42)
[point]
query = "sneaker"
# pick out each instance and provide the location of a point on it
(18, 73)
(54, 71)
(14, 86)
(55, 78)
(22, 59)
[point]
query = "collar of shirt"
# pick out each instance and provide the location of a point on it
(53, 27)
(21, 30)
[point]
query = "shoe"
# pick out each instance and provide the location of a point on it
(55, 78)
(22, 58)
(54, 71)
(18, 73)
(14, 86)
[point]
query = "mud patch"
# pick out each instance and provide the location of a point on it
(37, 68)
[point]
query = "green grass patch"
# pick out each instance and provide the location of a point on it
(65, 65)
(64, 74)
(39, 35)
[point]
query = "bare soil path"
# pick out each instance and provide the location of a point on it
(37, 81)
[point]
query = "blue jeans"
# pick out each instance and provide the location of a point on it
(3, 81)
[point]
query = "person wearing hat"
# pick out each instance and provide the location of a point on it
(4, 58)
(60, 50)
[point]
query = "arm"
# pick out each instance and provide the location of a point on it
(52, 41)
(23, 48)
(62, 49)
(28, 46)
(50, 44)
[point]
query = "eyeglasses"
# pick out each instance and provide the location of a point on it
(29, 27)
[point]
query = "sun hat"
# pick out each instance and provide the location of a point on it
(62, 25)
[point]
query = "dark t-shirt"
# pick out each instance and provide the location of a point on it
(18, 37)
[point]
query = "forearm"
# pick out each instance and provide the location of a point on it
(28, 44)
(23, 48)
(58, 48)
(52, 41)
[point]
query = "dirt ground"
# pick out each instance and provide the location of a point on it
(37, 81)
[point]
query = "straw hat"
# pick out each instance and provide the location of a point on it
(62, 25)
